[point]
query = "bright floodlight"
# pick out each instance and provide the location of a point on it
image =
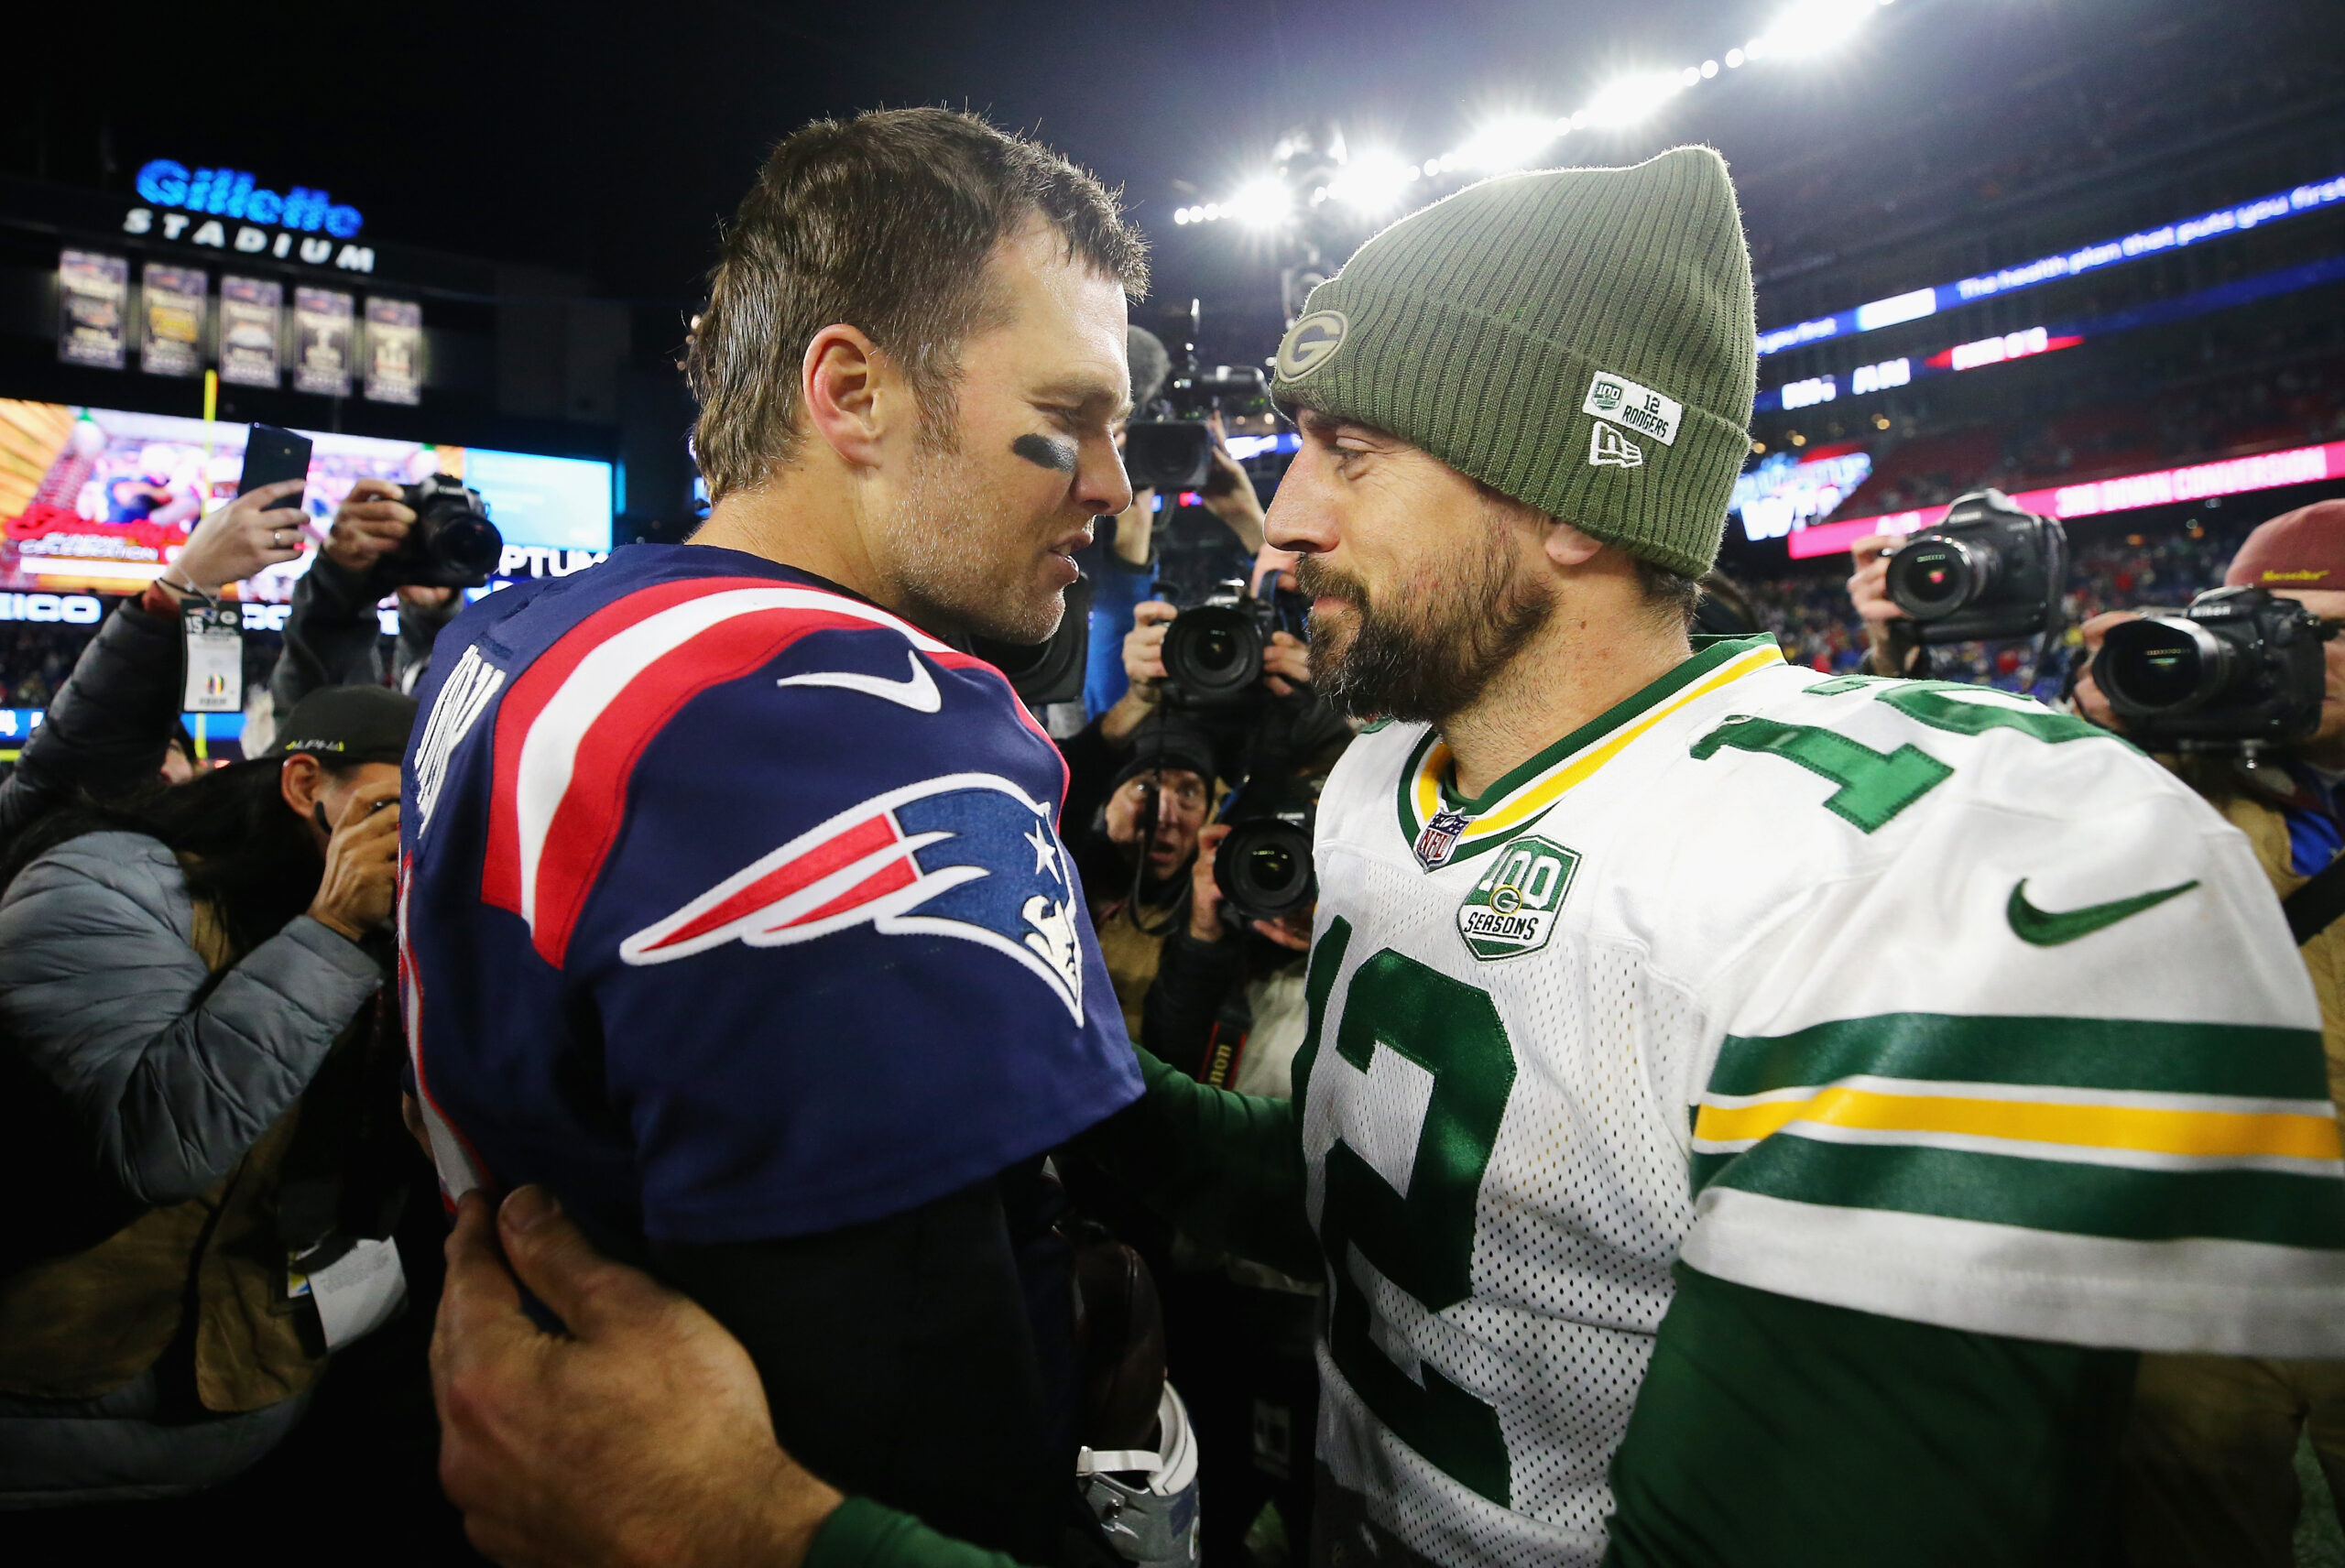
(1508, 143)
(1372, 182)
(1812, 26)
(1630, 99)
(1262, 202)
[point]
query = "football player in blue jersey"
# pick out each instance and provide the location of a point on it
(735, 907)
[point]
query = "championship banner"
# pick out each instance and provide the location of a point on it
(92, 296)
(322, 323)
(175, 298)
(394, 351)
(250, 309)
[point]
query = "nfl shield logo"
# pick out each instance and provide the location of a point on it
(1439, 839)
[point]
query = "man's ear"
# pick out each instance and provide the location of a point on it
(301, 782)
(849, 390)
(1566, 545)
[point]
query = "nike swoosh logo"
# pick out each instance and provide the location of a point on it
(2045, 929)
(918, 693)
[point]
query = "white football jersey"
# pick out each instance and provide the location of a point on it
(1917, 999)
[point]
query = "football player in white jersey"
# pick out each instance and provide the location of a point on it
(1748, 1118)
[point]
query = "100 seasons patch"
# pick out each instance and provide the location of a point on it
(1512, 910)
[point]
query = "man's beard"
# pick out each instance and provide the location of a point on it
(964, 556)
(1430, 651)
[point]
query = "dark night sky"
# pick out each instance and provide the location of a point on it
(610, 140)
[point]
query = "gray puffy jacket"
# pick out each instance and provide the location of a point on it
(103, 993)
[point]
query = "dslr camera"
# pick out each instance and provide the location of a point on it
(1213, 651)
(452, 543)
(1988, 571)
(1263, 867)
(2238, 669)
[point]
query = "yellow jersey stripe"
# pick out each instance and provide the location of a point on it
(2209, 1132)
(1536, 795)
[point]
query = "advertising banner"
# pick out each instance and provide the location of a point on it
(175, 300)
(102, 498)
(93, 297)
(394, 351)
(321, 322)
(250, 309)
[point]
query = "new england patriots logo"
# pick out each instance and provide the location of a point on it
(968, 855)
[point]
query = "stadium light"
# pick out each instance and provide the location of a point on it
(1262, 202)
(1509, 143)
(1375, 184)
(1632, 98)
(1812, 26)
(1372, 182)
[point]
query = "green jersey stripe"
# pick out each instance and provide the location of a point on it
(2255, 1060)
(2122, 1203)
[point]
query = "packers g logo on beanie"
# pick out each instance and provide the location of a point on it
(1311, 342)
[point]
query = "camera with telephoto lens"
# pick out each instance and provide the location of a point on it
(1988, 570)
(2240, 667)
(452, 543)
(1263, 867)
(1213, 651)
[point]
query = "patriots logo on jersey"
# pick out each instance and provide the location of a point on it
(969, 856)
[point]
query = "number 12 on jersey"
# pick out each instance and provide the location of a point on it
(1432, 1069)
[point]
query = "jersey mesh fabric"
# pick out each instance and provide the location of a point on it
(1722, 898)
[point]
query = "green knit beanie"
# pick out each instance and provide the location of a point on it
(1579, 339)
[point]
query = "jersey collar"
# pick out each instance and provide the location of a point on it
(1527, 793)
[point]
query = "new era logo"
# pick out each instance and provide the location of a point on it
(1607, 447)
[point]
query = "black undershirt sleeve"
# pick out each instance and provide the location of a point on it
(900, 1359)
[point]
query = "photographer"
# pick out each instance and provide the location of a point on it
(200, 1105)
(1125, 570)
(110, 730)
(2209, 1454)
(333, 637)
(1227, 1008)
(1133, 849)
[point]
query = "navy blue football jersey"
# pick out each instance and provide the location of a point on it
(733, 906)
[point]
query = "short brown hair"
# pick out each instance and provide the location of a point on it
(885, 222)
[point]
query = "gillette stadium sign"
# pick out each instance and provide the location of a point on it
(230, 209)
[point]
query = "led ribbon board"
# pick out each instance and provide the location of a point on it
(2231, 476)
(1920, 303)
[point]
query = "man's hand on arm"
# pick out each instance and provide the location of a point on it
(640, 1438)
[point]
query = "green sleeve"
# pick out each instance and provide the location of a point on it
(1227, 1169)
(1772, 1432)
(861, 1534)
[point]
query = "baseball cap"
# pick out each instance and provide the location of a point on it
(347, 725)
(2303, 548)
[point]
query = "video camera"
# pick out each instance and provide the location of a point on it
(452, 543)
(1213, 650)
(1988, 570)
(1172, 448)
(2238, 669)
